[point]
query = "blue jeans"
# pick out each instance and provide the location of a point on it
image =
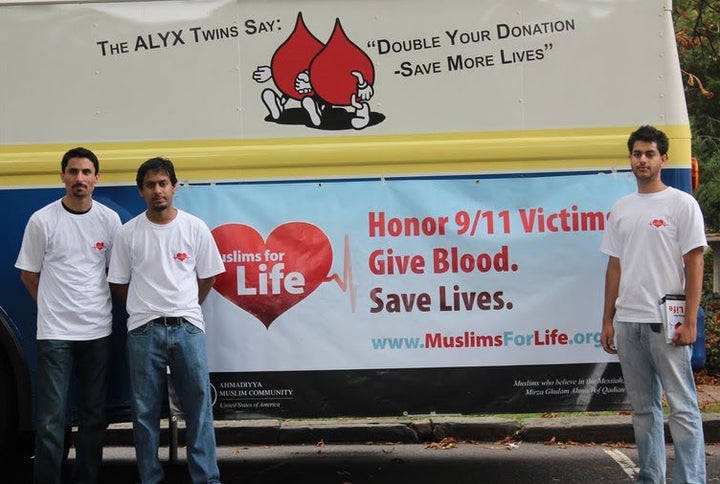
(151, 349)
(649, 365)
(56, 359)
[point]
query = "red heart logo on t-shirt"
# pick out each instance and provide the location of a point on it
(266, 278)
(658, 222)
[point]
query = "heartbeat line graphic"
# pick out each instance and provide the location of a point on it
(346, 281)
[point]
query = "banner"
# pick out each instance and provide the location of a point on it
(397, 274)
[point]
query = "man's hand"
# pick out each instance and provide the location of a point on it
(685, 334)
(607, 338)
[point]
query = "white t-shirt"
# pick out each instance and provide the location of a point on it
(71, 252)
(162, 264)
(650, 233)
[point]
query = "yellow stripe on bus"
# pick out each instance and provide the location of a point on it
(347, 156)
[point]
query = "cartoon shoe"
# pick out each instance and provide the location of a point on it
(313, 110)
(272, 103)
(362, 117)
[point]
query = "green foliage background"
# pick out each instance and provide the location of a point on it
(697, 28)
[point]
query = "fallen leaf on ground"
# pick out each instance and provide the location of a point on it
(444, 444)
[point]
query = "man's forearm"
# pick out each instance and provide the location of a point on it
(120, 290)
(694, 267)
(204, 286)
(31, 281)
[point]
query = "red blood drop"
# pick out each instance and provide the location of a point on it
(293, 57)
(331, 68)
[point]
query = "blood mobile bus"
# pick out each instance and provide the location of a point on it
(408, 196)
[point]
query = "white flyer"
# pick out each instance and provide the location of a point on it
(673, 312)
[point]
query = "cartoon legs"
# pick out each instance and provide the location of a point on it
(362, 113)
(313, 109)
(274, 103)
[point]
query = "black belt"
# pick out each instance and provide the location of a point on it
(169, 320)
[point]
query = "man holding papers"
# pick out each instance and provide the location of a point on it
(655, 239)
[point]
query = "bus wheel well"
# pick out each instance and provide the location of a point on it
(15, 397)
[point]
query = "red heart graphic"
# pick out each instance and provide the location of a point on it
(658, 222)
(278, 273)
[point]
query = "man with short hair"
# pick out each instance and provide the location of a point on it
(655, 239)
(164, 264)
(63, 260)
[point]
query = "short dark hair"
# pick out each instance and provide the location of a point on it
(157, 164)
(649, 134)
(79, 152)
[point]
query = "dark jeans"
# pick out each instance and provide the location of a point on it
(181, 346)
(56, 359)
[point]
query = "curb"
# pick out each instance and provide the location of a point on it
(592, 429)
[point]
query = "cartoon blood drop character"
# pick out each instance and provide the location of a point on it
(293, 57)
(330, 71)
(289, 69)
(343, 75)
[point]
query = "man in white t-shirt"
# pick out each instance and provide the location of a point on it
(63, 261)
(164, 264)
(655, 240)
